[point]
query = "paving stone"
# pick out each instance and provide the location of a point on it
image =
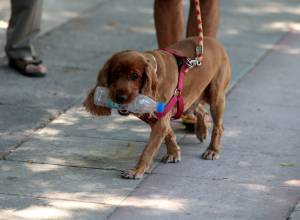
(78, 140)
(173, 197)
(63, 10)
(61, 182)
(266, 116)
(24, 208)
(99, 31)
(79, 123)
(81, 152)
(246, 138)
(92, 43)
(9, 142)
(247, 154)
(51, 92)
(249, 29)
(281, 95)
(16, 118)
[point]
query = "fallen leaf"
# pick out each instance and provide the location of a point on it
(288, 164)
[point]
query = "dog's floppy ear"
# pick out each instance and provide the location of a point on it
(102, 80)
(103, 77)
(149, 86)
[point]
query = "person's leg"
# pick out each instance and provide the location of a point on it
(169, 21)
(24, 25)
(210, 18)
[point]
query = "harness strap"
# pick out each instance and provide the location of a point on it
(177, 96)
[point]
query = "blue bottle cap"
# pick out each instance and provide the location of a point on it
(160, 107)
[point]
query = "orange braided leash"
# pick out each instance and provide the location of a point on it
(199, 48)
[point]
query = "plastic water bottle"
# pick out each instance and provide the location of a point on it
(101, 98)
(144, 104)
(141, 104)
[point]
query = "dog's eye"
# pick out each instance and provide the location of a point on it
(134, 76)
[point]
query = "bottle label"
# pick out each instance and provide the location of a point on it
(111, 104)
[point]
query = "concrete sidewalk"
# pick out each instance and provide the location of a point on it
(60, 163)
(55, 13)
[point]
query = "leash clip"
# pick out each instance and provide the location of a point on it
(191, 63)
(177, 92)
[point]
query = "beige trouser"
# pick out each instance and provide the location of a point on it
(24, 25)
(169, 20)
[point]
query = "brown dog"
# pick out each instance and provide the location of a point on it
(155, 74)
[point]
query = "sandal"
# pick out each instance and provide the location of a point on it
(189, 118)
(30, 68)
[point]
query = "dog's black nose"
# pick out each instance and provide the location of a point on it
(120, 98)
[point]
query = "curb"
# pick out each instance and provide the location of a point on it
(295, 215)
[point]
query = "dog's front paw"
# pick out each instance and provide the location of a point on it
(210, 154)
(131, 174)
(171, 158)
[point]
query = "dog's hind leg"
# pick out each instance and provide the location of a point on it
(217, 105)
(216, 99)
(173, 150)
